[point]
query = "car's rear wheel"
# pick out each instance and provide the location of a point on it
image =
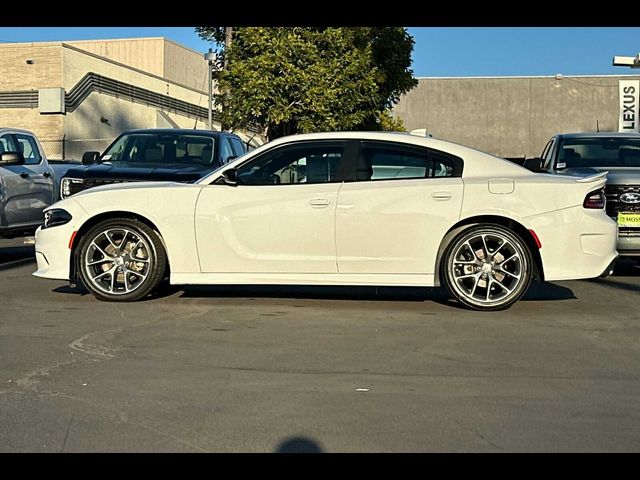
(487, 267)
(121, 260)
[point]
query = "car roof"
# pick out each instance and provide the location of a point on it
(599, 135)
(179, 131)
(9, 129)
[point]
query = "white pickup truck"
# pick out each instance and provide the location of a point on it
(27, 183)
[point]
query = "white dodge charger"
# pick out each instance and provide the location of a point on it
(346, 208)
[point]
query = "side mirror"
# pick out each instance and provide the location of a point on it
(230, 177)
(232, 157)
(90, 157)
(11, 158)
(533, 164)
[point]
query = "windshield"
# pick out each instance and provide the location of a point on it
(599, 152)
(165, 148)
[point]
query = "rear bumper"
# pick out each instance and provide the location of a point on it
(576, 243)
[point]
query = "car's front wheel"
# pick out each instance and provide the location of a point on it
(121, 259)
(487, 267)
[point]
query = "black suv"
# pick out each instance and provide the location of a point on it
(178, 155)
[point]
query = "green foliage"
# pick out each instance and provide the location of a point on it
(306, 79)
(388, 123)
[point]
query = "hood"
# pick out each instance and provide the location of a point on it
(140, 172)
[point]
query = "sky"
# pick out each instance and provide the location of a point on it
(438, 51)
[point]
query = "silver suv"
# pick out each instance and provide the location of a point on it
(26, 182)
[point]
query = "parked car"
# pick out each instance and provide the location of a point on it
(618, 154)
(337, 208)
(26, 183)
(154, 154)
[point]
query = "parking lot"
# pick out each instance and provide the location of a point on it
(268, 369)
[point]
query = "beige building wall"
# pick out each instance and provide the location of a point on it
(185, 66)
(17, 75)
(511, 116)
(157, 56)
(143, 53)
(154, 64)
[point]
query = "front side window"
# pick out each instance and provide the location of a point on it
(29, 148)
(546, 153)
(6, 144)
(227, 151)
(381, 161)
(152, 148)
(238, 147)
(300, 164)
(599, 152)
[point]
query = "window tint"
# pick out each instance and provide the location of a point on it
(227, 151)
(381, 161)
(238, 147)
(306, 163)
(162, 148)
(547, 149)
(6, 145)
(600, 152)
(29, 148)
(546, 153)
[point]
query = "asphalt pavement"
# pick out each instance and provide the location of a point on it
(286, 369)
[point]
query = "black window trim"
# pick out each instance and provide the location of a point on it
(35, 141)
(408, 146)
(351, 150)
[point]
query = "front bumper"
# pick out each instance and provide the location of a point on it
(53, 253)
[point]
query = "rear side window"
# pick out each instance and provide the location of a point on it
(29, 148)
(389, 161)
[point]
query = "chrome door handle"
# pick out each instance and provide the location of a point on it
(441, 195)
(319, 202)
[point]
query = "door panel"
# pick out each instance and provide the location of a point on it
(395, 226)
(38, 177)
(267, 228)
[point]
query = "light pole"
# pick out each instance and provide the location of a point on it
(210, 57)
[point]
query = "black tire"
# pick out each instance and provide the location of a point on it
(494, 282)
(138, 272)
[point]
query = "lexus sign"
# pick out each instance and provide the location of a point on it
(629, 93)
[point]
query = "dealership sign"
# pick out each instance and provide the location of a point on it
(629, 93)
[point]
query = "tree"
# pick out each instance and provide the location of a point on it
(309, 79)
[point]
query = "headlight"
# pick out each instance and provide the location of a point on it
(56, 217)
(69, 186)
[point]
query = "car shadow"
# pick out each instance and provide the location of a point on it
(16, 256)
(627, 267)
(537, 292)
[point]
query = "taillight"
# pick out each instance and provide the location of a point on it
(595, 199)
